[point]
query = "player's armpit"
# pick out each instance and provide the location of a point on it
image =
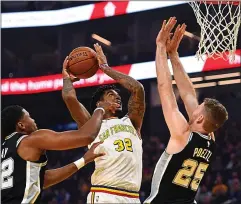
(50, 140)
(177, 124)
(55, 176)
(76, 109)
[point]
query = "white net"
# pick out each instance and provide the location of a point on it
(219, 22)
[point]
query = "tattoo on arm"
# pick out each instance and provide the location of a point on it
(126, 81)
(78, 112)
(67, 86)
(136, 104)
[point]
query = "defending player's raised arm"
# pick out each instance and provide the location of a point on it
(51, 140)
(76, 109)
(54, 176)
(136, 104)
(184, 84)
(176, 122)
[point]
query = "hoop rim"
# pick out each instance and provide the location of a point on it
(236, 3)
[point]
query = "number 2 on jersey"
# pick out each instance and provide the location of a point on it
(127, 144)
(7, 170)
(184, 175)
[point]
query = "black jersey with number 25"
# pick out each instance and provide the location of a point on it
(177, 176)
(22, 180)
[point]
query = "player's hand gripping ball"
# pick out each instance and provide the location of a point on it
(82, 62)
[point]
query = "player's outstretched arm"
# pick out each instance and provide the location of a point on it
(176, 122)
(55, 176)
(51, 140)
(184, 84)
(76, 109)
(136, 104)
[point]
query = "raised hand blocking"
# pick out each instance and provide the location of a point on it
(174, 41)
(165, 31)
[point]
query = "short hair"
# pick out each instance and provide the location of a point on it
(10, 116)
(98, 94)
(216, 114)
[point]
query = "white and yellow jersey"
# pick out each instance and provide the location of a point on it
(121, 167)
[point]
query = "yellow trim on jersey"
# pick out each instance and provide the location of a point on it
(115, 192)
(92, 198)
(111, 118)
(9, 136)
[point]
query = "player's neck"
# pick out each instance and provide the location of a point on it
(109, 116)
(195, 128)
(21, 131)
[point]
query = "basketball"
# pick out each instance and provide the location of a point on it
(83, 62)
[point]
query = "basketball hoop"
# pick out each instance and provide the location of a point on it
(219, 21)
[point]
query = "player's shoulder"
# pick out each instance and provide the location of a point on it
(126, 118)
(201, 140)
(201, 136)
(15, 136)
(40, 133)
(13, 140)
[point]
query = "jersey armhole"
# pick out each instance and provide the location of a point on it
(127, 117)
(190, 137)
(20, 139)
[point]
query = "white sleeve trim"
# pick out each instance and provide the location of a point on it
(125, 117)
(20, 139)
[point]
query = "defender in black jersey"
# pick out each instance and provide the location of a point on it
(23, 157)
(18, 174)
(177, 176)
(190, 149)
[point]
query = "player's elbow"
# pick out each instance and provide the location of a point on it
(47, 180)
(45, 186)
(140, 87)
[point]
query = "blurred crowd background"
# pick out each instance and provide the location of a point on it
(39, 51)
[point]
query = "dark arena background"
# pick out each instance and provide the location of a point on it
(33, 50)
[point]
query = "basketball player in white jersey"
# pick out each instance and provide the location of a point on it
(118, 174)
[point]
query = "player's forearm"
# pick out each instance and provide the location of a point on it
(126, 81)
(50, 140)
(78, 112)
(162, 70)
(183, 81)
(76, 109)
(55, 176)
(68, 89)
(92, 126)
